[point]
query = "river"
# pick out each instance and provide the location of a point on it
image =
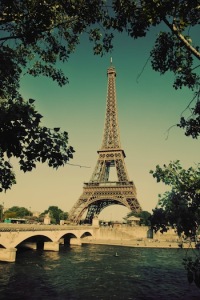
(93, 272)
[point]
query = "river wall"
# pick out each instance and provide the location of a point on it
(135, 236)
(134, 232)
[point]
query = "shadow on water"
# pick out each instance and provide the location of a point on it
(93, 272)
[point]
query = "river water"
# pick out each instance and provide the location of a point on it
(93, 272)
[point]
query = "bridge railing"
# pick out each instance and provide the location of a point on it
(36, 227)
(109, 183)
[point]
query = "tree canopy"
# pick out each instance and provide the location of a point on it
(36, 35)
(56, 214)
(17, 212)
(21, 136)
(180, 206)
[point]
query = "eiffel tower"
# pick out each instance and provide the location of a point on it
(100, 192)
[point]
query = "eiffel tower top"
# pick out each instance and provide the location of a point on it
(111, 134)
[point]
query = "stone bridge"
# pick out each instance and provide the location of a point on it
(46, 237)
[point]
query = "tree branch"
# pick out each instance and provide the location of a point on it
(11, 37)
(184, 41)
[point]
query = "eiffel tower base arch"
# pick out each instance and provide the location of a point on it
(96, 197)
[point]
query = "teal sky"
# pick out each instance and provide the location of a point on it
(147, 108)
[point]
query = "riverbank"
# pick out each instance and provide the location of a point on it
(148, 243)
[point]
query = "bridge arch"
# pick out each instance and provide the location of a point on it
(28, 236)
(66, 237)
(85, 234)
(36, 239)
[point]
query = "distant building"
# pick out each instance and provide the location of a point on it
(133, 221)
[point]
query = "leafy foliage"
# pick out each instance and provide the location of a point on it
(179, 207)
(174, 49)
(17, 212)
(22, 137)
(56, 214)
(63, 216)
(38, 34)
(35, 36)
(159, 220)
(192, 124)
(193, 270)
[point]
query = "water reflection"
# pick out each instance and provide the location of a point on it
(51, 255)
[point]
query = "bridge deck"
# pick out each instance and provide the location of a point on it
(36, 227)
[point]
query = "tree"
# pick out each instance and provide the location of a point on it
(22, 136)
(27, 27)
(38, 34)
(180, 208)
(63, 216)
(56, 214)
(17, 212)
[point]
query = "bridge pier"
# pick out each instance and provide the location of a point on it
(51, 246)
(8, 254)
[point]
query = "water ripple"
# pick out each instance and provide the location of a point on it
(93, 272)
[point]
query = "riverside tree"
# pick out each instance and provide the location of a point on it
(38, 34)
(17, 212)
(56, 214)
(179, 208)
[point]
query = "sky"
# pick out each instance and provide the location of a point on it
(147, 107)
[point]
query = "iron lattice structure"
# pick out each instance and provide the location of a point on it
(100, 192)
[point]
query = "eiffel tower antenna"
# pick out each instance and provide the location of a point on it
(101, 192)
